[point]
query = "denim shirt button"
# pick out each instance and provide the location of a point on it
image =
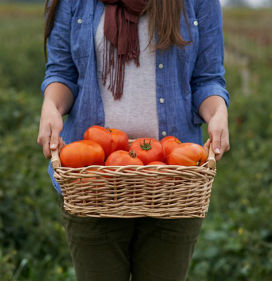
(160, 66)
(195, 23)
(163, 133)
(79, 21)
(161, 100)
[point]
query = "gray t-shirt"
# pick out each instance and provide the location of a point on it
(136, 111)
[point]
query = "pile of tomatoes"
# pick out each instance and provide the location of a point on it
(110, 147)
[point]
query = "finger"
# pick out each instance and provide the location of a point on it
(207, 145)
(43, 140)
(224, 148)
(219, 157)
(43, 135)
(61, 143)
(54, 140)
(216, 142)
(225, 141)
(46, 149)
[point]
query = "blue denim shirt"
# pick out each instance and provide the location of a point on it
(184, 77)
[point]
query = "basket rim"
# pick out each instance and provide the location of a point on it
(135, 167)
(134, 171)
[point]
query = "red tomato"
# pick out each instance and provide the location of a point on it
(168, 138)
(157, 163)
(97, 148)
(168, 144)
(100, 135)
(77, 154)
(204, 153)
(119, 140)
(122, 158)
(110, 139)
(147, 149)
(187, 154)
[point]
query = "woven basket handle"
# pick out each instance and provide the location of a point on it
(211, 158)
(55, 160)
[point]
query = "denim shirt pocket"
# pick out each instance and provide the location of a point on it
(81, 37)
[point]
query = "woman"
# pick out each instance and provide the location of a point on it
(151, 68)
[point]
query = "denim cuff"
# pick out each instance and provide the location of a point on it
(51, 79)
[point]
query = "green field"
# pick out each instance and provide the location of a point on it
(236, 239)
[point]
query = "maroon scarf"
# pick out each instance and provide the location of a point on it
(121, 41)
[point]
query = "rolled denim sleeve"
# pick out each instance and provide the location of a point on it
(208, 75)
(60, 66)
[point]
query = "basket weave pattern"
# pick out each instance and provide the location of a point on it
(136, 191)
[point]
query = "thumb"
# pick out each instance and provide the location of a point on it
(61, 143)
(216, 142)
(207, 145)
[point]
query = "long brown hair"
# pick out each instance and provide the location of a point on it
(49, 12)
(164, 19)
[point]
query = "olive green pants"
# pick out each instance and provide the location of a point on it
(137, 249)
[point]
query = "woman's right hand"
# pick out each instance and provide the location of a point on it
(51, 124)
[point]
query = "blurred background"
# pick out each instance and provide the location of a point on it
(236, 239)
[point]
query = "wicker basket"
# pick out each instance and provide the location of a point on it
(159, 191)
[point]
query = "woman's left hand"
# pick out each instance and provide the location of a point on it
(219, 134)
(214, 111)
